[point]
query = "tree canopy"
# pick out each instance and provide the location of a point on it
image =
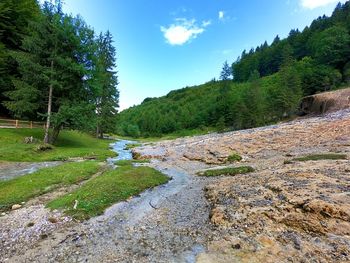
(268, 83)
(62, 71)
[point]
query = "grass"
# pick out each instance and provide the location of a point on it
(227, 171)
(234, 157)
(23, 188)
(132, 145)
(111, 187)
(170, 136)
(317, 157)
(69, 144)
(130, 162)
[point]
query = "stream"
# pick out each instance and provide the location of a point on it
(138, 218)
(120, 148)
(11, 170)
(168, 223)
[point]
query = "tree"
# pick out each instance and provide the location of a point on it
(14, 19)
(332, 46)
(55, 66)
(284, 96)
(252, 111)
(106, 82)
(226, 72)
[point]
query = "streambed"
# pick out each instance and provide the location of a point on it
(168, 223)
(12, 170)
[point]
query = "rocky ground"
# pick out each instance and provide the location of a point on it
(286, 211)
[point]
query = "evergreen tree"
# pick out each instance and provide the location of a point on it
(15, 16)
(226, 72)
(106, 81)
(54, 70)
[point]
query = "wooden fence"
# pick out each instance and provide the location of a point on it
(10, 123)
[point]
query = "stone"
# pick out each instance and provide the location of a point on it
(16, 206)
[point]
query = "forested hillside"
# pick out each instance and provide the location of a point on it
(267, 83)
(54, 67)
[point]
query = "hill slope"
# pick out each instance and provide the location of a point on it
(268, 83)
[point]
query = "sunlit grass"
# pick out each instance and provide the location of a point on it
(69, 144)
(23, 188)
(111, 187)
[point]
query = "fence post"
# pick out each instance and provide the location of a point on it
(31, 124)
(16, 123)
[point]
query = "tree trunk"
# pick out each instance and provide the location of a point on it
(97, 131)
(48, 119)
(55, 132)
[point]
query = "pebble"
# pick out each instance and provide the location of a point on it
(16, 206)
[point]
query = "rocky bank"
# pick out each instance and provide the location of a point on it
(286, 211)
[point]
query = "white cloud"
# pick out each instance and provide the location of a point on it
(221, 15)
(312, 4)
(183, 30)
(206, 23)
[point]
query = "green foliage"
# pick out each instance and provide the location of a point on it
(230, 171)
(331, 46)
(109, 188)
(326, 41)
(132, 145)
(226, 72)
(326, 156)
(234, 157)
(42, 50)
(224, 105)
(45, 180)
(269, 82)
(69, 145)
(14, 19)
(130, 162)
(105, 82)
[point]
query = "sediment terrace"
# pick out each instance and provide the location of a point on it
(287, 210)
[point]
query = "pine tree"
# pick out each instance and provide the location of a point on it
(54, 66)
(15, 16)
(226, 72)
(106, 81)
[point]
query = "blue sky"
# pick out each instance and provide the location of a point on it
(165, 45)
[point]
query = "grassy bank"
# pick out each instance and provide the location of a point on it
(69, 144)
(109, 188)
(45, 180)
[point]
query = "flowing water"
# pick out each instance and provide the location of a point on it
(156, 226)
(120, 148)
(179, 194)
(12, 170)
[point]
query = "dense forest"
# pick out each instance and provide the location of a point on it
(54, 67)
(262, 86)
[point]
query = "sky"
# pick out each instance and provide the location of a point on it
(164, 45)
